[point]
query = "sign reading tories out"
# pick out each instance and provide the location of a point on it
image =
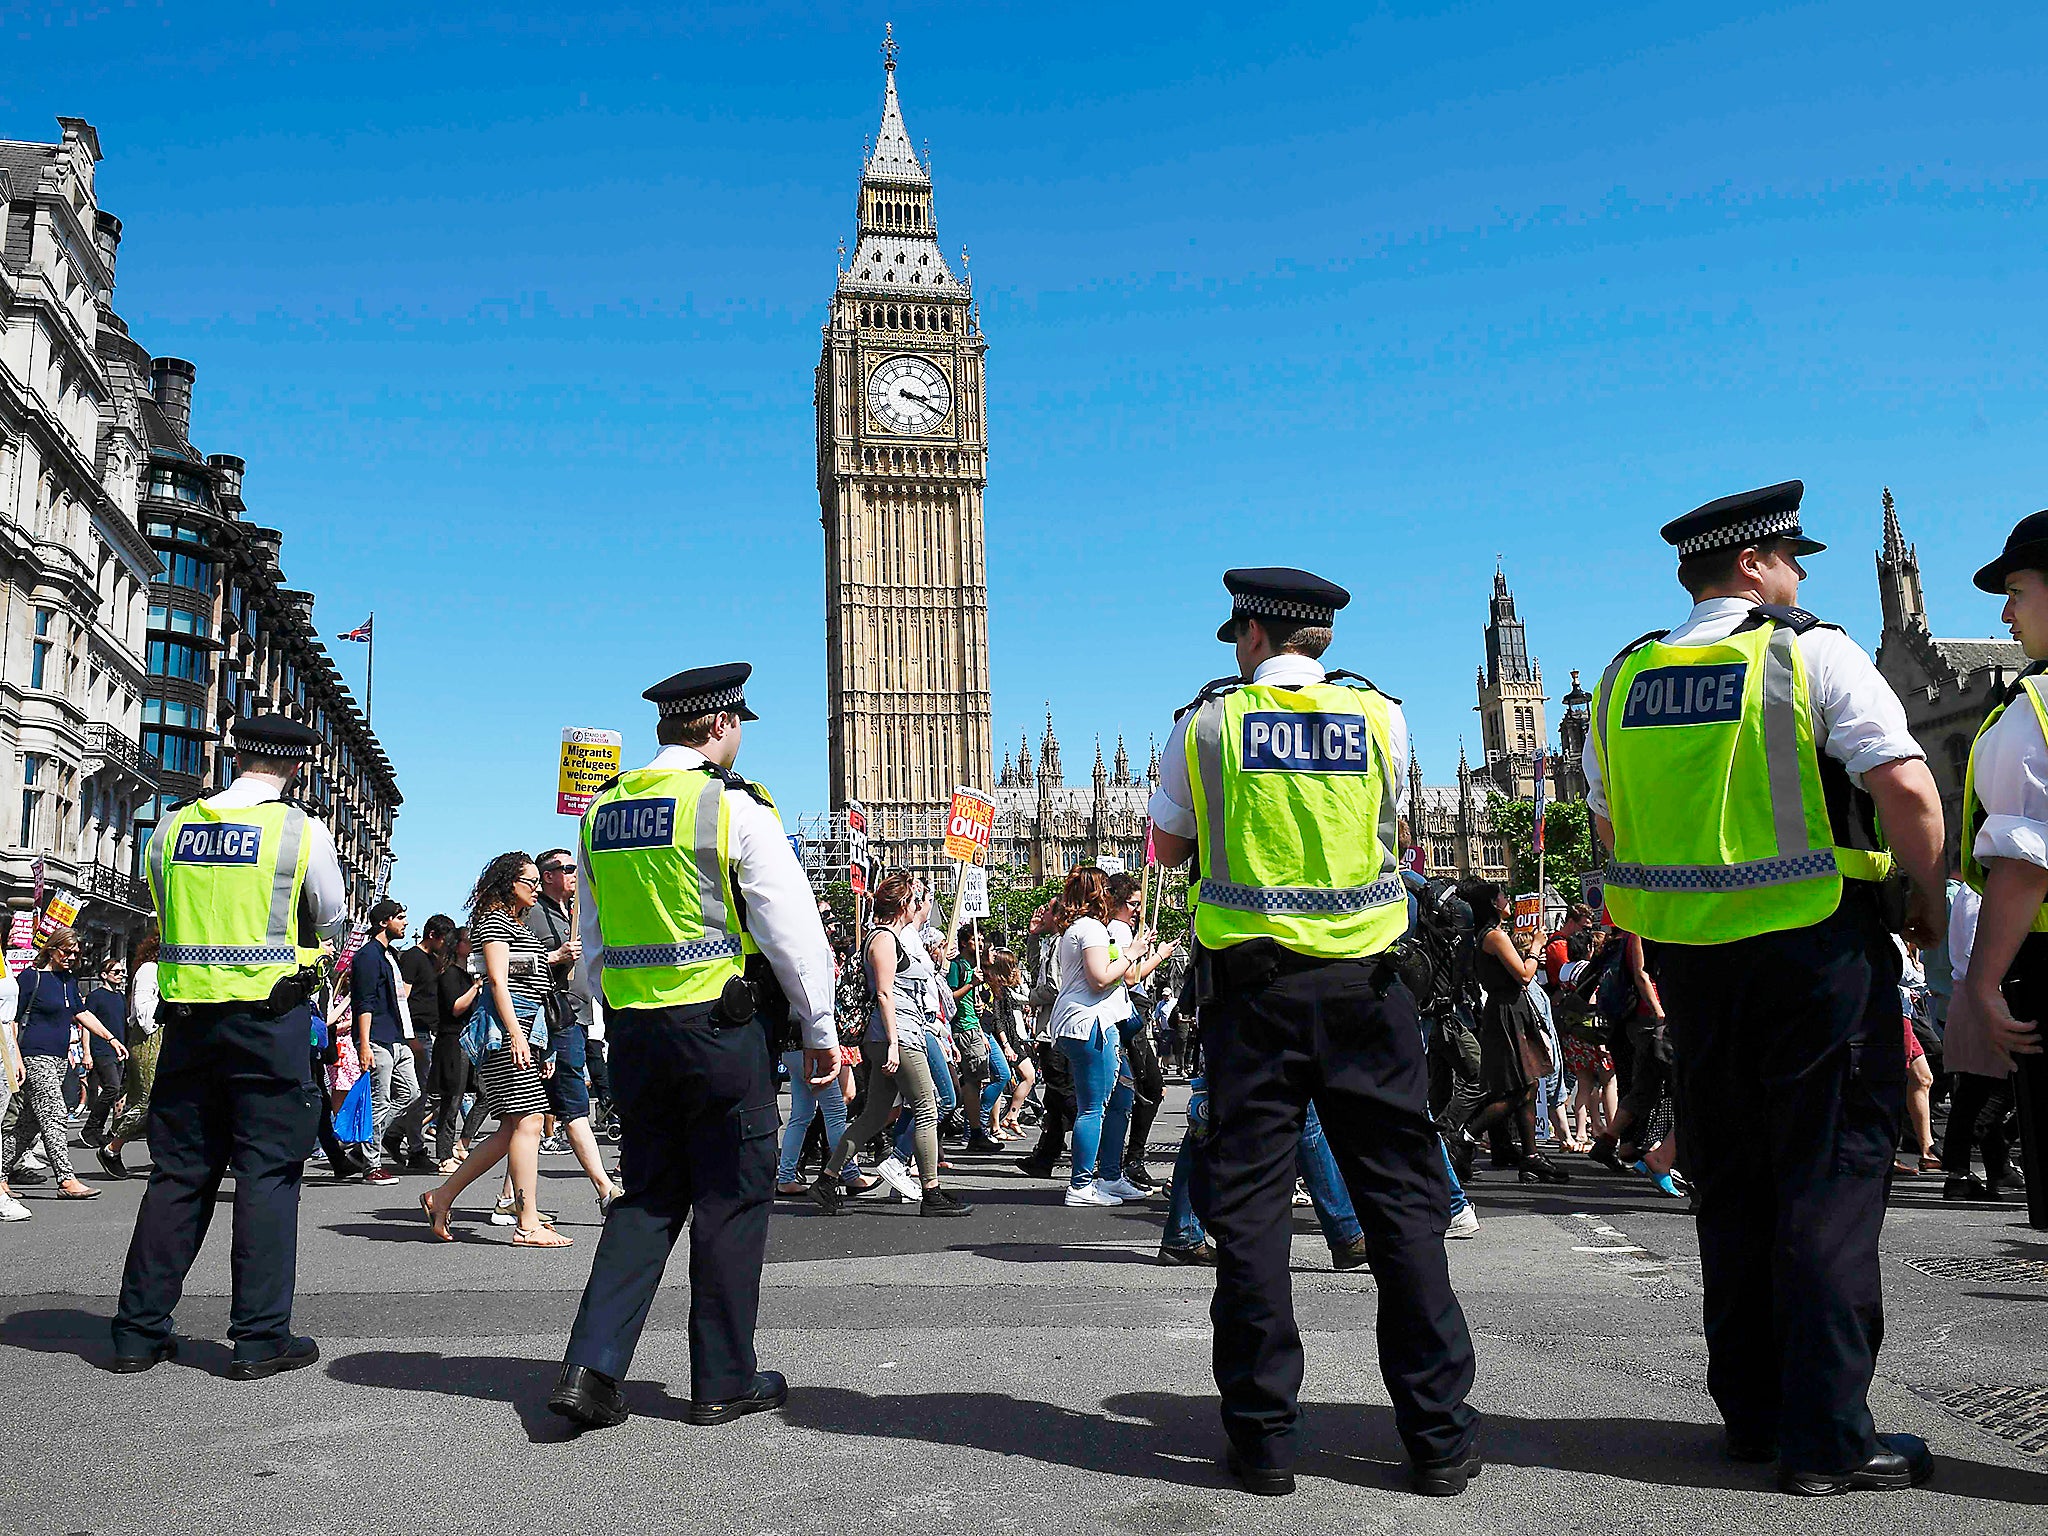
(970, 823)
(973, 892)
(589, 757)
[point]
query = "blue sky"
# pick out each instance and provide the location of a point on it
(514, 316)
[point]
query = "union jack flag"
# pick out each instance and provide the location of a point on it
(360, 632)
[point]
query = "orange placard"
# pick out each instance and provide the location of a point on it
(970, 823)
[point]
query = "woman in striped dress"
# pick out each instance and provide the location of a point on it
(516, 988)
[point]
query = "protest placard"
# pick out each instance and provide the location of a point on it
(589, 757)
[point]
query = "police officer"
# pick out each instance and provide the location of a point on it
(1993, 1021)
(246, 886)
(695, 918)
(1734, 767)
(1283, 784)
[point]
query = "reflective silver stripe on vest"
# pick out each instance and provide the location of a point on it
(1605, 693)
(1781, 744)
(1390, 825)
(640, 956)
(1296, 900)
(710, 877)
(164, 834)
(1208, 733)
(1754, 875)
(228, 954)
(284, 885)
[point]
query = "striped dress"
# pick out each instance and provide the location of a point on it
(510, 1089)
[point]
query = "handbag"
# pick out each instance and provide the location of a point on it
(1530, 1043)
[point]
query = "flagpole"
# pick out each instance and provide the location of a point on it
(370, 667)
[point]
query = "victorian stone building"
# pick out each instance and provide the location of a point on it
(902, 444)
(1044, 827)
(1947, 686)
(122, 565)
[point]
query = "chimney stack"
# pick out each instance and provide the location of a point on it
(106, 234)
(229, 469)
(170, 380)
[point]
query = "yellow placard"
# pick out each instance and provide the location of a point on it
(589, 757)
(970, 823)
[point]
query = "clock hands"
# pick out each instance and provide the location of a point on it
(910, 395)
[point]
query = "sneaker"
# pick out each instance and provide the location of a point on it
(1091, 1194)
(552, 1146)
(899, 1178)
(936, 1202)
(1465, 1223)
(380, 1176)
(12, 1209)
(1122, 1188)
(110, 1162)
(1301, 1194)
(1140, 1175)
(23, 1174)
(33, 1161)
(502, 1214)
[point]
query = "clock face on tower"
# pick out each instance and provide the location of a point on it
(909, 394)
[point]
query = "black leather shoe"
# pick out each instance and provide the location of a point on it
(1966, 1187)
(1743, 1447)
(937, 1202)
(826, 1195)
(1266, 1482)
(1445, 1479)
(1034, 1167)
(129, 1365)
(1901, 1461)
(296, 1356)
(1602, 1152)
(770, 1391)
(110, 1162)
(588, 1397)
(1351, 1256)
(1139, 1175)
(1201, 1253)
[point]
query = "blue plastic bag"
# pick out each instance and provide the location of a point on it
(353, 1122)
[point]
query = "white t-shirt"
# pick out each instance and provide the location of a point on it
(1080, 1007)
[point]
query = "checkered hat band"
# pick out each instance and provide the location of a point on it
(284, 751)
(705, 703)
(1735, 535)
(1281, 608)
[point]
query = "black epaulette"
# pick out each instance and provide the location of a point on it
(1798, 620)
(1638, 642)
(179, 805)
(1215, 688)
(1340, 674)
(740, 781)
(608, 783)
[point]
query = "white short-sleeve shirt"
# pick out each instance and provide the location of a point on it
(2012, 780)
(1857, 719)
(1080, 1007)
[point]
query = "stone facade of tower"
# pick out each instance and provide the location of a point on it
(1947, 686)
(902, 462)
(1511, 717)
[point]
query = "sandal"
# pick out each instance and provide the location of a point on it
(438, 1223)
(1929, 1163)
(82, 1192)
(1904, 1169)
(792, 1191)
(448, 1165)
(546, 1237)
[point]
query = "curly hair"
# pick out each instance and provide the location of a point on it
(892, 896)
(1122, 888)
(1086, 894)
(493, 892)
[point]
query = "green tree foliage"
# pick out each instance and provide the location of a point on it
(1569, 846)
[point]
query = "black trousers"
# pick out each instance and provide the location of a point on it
(2026, 993)
(102, 1092)
(1976, 1118)
(1325, 1033)
(1790, 1083)
(1456, 1089)
(698, 1123)
(448, 1078)
(1060, 1107)
(234, 1090)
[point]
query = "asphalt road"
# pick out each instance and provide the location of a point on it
(1025, 1370)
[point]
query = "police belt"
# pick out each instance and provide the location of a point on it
(1258, 963)
(289, 995)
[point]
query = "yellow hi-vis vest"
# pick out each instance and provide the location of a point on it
(1973, 808)
(227, 885)
(1295, 820)
(1715, 791)
(656, 856)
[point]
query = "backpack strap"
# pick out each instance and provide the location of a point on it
(1341, 675)
(1215, 688)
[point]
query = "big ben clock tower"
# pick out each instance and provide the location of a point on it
(902, 460)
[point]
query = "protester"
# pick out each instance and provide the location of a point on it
(455, 1126)
(51, 1010)
(380, 1005)
(1508, 1026)
(346, 1059)
(552, 920)
(107, 1002)
(144, 1042)
(517, 984)
(13, 1074)
(1009, 1016)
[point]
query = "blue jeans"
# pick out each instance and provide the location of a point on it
(999, 1080)
(804, 1102)
(1458, 1200)
(1312, 1158)
(942, 1079)
(1094, 1064)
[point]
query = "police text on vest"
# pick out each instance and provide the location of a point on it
(224, 842)
(1284, 741)
(632, 824)
(1706, 695)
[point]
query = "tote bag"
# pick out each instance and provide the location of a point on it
(354, 1122)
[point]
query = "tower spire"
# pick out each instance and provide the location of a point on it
(1898, 578)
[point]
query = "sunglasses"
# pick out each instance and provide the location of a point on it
(558, 869)
(526, 879)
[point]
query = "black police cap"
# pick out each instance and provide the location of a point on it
(2026, 549)
(704, 691)
(275, 736)
(1279, 592)
(1748, 517)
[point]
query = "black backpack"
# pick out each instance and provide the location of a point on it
(1614, 995)
(1437, 957)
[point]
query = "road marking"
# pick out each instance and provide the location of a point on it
(1622, 1253)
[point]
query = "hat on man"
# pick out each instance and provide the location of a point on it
(275, 736)
(1279, 592)
(1748, 517)
(2026, 549)
(384, 911)
(704, 691)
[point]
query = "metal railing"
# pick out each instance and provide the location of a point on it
(110, 884)
(110, 745)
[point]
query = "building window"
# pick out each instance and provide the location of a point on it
(173, 658)
(178, 754)
(1443, 856)
(179, 621)
(39, 654)
(1958, 757)
(31, 797)
(189, 571)
(1496, 855)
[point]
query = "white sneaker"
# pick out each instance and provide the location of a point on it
(1301, 1194)
(1094, 1193)
(12, 1209)
(33, 1160)
(899, 1178)
(502, 1214)
(1465, 1223)
(1122, 1188)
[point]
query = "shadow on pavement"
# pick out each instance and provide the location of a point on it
(524, 1384)
(1054, 1253)
(84, 1335)
(1174, 1438)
